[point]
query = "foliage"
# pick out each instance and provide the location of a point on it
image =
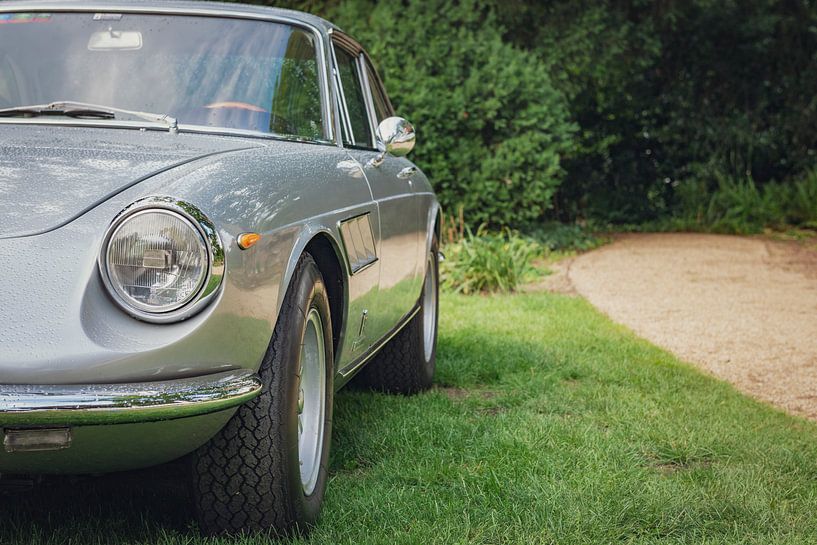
(800, 205)
(560, 237)
(491, 127)
(488, 262)
(549, 424)
(742, 206)
(600, 55)
(675, 93)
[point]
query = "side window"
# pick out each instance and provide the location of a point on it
(352, 85)
(382, 109)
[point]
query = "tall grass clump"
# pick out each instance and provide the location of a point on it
(743, 206)
(801, 200)
(485, 261)
(560, 237)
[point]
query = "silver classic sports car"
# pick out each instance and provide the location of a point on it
(207, 227)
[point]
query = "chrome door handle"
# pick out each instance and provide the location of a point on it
(407, 172)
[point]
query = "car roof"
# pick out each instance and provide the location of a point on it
(181, 6)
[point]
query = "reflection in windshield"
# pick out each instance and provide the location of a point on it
(230, 73)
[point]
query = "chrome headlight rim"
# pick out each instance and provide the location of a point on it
(207, 289)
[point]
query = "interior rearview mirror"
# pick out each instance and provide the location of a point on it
(115, 40)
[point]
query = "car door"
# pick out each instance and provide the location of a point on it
(391, 185)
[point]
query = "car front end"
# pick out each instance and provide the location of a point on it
(132, 327)
(123, 344)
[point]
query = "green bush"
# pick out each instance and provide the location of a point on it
(488, 261)
(491, 127)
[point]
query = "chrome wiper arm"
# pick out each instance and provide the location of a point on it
(82, 109)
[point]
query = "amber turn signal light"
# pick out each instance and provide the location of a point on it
(245, 240)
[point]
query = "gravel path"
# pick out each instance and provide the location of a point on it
(744, 309)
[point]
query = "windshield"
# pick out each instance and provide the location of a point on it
(216, 72)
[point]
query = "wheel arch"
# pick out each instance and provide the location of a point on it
(322, 244)
(433, 228)
(327, 255)
(438, 223)
(433, 223)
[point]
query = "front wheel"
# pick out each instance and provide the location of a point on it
(405, 365)
(267, 469)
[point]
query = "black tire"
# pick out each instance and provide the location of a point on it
(403, 365)
(247, 478)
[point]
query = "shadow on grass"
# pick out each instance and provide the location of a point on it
(154, 505)
(139, 505)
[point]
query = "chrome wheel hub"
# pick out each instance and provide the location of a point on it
(311, 401)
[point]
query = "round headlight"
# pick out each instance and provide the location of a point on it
(159, 256)
(157, 260)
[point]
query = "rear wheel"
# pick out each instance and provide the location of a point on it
(267, 469)
(405, 365)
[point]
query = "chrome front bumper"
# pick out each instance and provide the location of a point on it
(101, 404)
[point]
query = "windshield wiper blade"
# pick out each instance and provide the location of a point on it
(73, 112)
(83, 110)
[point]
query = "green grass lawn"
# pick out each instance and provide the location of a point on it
(549, 424)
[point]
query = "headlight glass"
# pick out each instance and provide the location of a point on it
(157, 260)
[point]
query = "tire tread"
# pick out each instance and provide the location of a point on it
(239, 477)
(396, 367)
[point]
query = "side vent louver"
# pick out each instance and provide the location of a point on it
(358, 241)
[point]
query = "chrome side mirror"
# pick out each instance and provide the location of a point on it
(395, 136)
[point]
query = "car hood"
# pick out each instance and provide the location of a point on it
(50, 175)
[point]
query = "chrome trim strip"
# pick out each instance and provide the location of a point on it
(115, 123)
(369, 99)
(356, 365)
(344, 109)
(108, 7)
(204, 129)
(215, 255)
(339, 122)
(96, 404)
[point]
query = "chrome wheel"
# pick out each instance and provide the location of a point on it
(311, 401)
(429, 309)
